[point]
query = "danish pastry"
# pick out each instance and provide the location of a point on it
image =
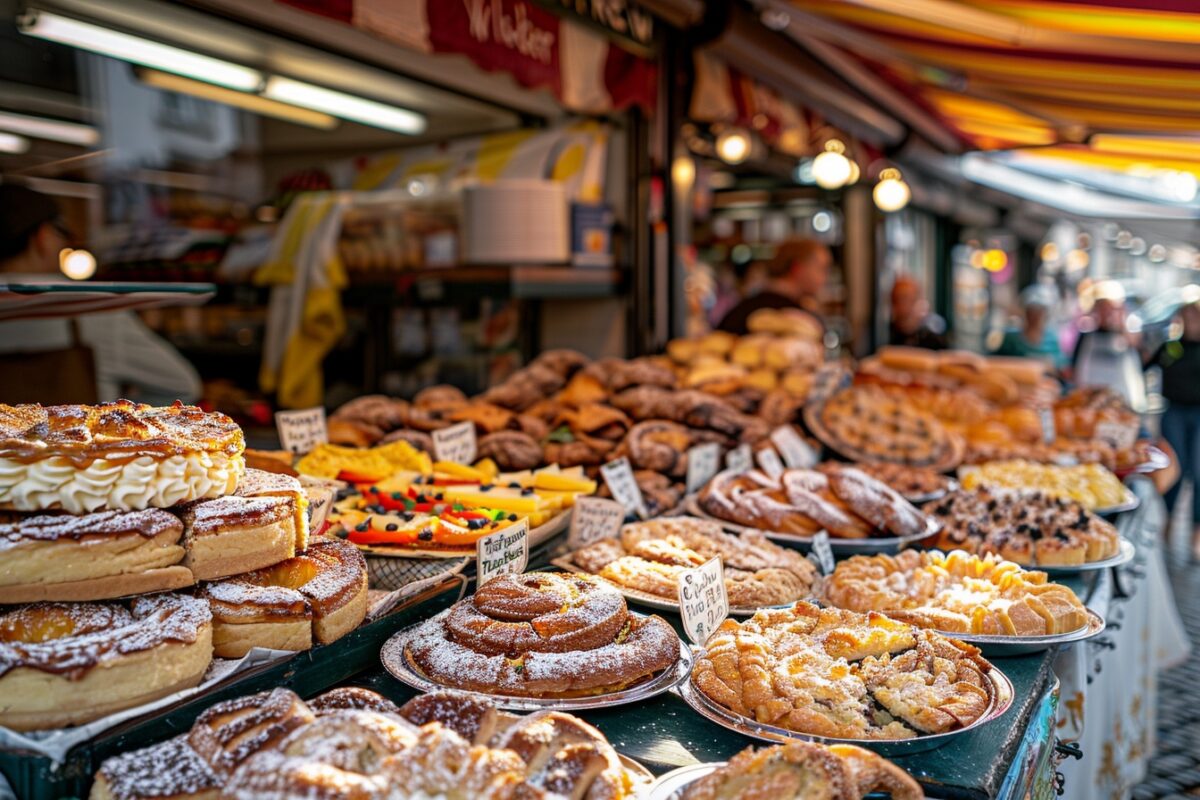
(120, 456)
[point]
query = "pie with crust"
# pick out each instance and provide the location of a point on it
(842, 674)
(866, 423)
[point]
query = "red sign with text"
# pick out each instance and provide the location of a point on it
(512, 36)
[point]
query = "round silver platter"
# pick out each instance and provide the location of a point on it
(396, 662)
(660, 603)
(1132, 501)
(1124, 556)
(1023, 645)
(843, 547)
(670, 785)
(1001, 698)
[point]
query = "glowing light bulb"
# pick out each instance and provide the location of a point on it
(683, 172)
(831, 169)
(891, 193)
(78, 265)
(733, 146)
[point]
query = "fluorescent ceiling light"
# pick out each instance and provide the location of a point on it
(346, 106)
(250, 102)
(52, 129)
(11, 143)
(115, 44)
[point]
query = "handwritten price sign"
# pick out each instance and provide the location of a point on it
(593, 519)
(301, 430)
(503, 552)
(456, 443)
(703, 602)
(624, 487)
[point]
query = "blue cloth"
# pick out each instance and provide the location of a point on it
(1015, 344)
(1181, 428)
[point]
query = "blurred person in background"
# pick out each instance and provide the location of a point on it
(94, 357)
(912, 322)
(1180, 363)
(1037, 337)
(1106, 353)
(796, 278)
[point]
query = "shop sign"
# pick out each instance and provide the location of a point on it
(511, 36)
(504, 552)
(456, 443)
(703, 601)
(621, 20)
(301, 430)
(593, 519)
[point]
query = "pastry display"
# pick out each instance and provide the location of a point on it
(1026, 527)
(803, 770)
(316, 597)
(1095, 412)
(444, 745)
(956, 592)
(867, 423)
(844, 501)
(542, 635)
(1090, 485)
(70, 663)
(841, 674)
(119, 456)
(648, 557)
(911, 482)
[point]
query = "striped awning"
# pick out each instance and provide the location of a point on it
(1023, 73)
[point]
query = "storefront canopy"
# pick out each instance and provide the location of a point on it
(1001, 74)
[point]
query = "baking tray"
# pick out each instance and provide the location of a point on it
(539, 535)
(1001, 699)
(1024, 645)
(397, 663)
(843, 547)
(658, 602)
(309, 672)
(670, 785)
(1124, 555)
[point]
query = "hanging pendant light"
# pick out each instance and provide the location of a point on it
(733, 145)
(891, 193)
(831, 169)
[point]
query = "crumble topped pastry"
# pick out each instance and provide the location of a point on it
(866, 423)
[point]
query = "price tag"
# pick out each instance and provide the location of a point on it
(823, 552)
(703, 462)
(1116, 434)
(503, 552)
(768, 459)
(795, 451)
(593, 519)
(625, 490)
(703, 603)
(301, 430)
(739, 459)
(1049, 432)
(456, 443)
(321, 494)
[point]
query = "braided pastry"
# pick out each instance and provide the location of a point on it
(542, 635)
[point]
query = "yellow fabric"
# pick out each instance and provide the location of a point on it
(301, 379)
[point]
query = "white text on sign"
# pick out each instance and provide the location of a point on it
(456, 443)
(739, 459)
(768, 459)
(301, 430)
(796, 452)
(618, 475)
(503, 552)
(703, 462)
(593, 519)
(703, 602)
(1118, 435)
(823, 552)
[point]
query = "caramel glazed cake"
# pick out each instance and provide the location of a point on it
(121, 499)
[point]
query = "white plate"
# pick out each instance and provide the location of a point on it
(1023, 645)
(1001, 698)
(396, 662)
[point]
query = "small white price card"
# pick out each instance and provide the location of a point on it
(1049, 432)
(1118, 435)
(703, 462)
(321, 493)
(301, 430)
(796, 452)
(456, 443)
(625, 490)
(823, 552)
(703, 603)
(768, 459)
(739, 459)
(503, 552)
(593, 519)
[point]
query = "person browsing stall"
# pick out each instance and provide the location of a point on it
(796, 278)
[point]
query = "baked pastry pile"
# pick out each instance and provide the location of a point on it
(542, 635)
(841, 674)
(840, 499)
(956, 592)
(910, 482)
(649, 556)
(1029, 528)
(804, 770)
(1090, 485)
(867, 423)
(354, 743)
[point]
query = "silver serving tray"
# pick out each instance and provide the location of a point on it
(670, 785)
(660, 603)
(842, 547)
(1023, 645)
(1132, 502)
(396, 662)
(1001, 700)
(1123, 556)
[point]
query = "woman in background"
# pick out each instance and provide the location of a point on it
(1037, 338)
(1180, 363)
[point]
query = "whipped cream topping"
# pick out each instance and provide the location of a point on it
(126, 485)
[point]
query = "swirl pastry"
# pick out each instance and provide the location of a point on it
(70, 663)
(659, 446)
(841, 674)
(956, 592)
(512, 451)
(649, 556)
(377, 410)
(120, 456)
(542, 635)
(320, 595)
(804, 770)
